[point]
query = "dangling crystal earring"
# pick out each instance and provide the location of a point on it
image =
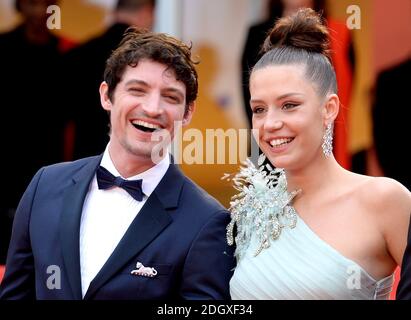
(328, 140)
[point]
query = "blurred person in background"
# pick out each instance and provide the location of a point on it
(33, 121)
(85, 66)
(390, 127)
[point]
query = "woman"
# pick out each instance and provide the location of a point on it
(312, 230)
(342, 55)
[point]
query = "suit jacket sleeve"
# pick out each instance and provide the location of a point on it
(19, 279)
(210, 262)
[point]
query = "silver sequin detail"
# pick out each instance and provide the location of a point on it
(261, 209)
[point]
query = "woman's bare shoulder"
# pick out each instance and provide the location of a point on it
(378, 190)
(389, 203)
(387, 190)
(387, 200)
(381, 194)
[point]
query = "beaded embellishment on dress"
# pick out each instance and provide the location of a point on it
(261, 208)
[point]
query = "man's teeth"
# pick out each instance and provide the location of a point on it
(279, 142)
(146, 124)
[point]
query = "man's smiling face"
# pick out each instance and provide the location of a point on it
(147, 100)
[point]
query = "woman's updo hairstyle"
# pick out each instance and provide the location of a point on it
(301, 38)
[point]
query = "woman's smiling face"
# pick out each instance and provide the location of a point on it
(288, 114)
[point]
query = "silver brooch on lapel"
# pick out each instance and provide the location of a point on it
(141, 270)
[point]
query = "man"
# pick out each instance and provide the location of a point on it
(77, 235)
(84, 66)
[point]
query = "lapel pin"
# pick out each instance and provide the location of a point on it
(141, 270)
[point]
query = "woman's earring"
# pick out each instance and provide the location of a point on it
(328, 140)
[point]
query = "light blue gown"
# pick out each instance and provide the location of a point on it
(300, 265)
(279, 256)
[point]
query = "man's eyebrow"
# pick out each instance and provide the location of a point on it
(136, 81)
(174, 90)
(145, 84)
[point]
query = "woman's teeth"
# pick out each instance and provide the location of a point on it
(279, 142)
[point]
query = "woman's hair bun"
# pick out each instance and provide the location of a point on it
(302, 30)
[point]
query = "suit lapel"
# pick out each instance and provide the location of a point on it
(152, 219)
(73, 200)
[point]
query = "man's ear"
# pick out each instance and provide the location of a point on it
(331, 108)
(188, 114)
(104, 99)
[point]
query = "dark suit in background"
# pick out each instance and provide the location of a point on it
(391, 116)
(404, 286)
(255, 39)
(33, 118)
(84, 68)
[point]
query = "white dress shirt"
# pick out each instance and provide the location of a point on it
(107, 214)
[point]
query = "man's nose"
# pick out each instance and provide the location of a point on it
(152, 106)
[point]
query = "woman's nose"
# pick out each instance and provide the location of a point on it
(273, 124)
(273, 120)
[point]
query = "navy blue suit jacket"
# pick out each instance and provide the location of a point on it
(180, 231)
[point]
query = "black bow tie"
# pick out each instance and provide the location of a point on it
(106, 180)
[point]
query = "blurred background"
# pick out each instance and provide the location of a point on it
(50, 77)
